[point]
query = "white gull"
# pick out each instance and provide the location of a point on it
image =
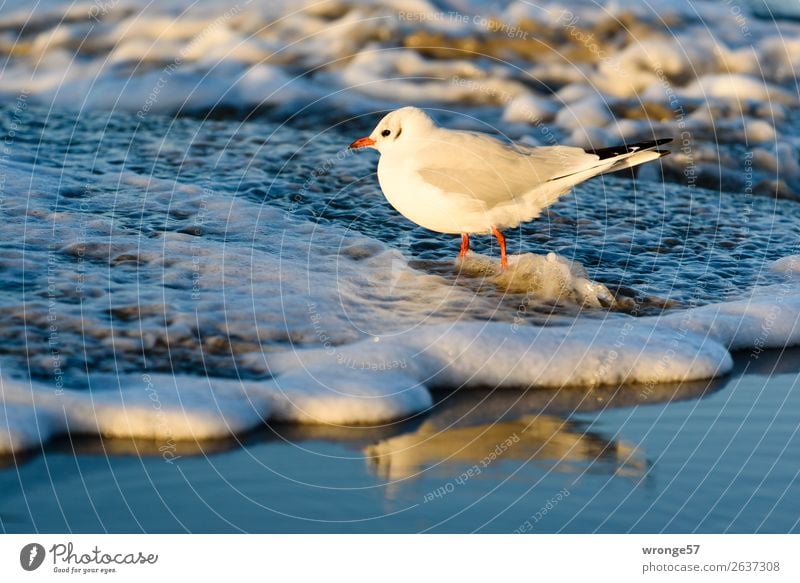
(453, 181)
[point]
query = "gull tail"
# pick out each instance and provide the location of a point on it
(630, 155)
(618, 158)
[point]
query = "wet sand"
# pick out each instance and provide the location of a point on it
(717, 456)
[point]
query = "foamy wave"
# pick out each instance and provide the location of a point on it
(710, 74)
(380, 379)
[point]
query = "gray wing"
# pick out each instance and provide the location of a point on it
(493, 173)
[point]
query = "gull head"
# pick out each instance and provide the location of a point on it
(397, 131)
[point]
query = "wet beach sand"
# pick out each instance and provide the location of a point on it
(707, 457)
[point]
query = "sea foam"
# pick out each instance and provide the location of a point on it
(553, 71)
(381, 379)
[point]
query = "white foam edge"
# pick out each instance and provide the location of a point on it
(383, 378)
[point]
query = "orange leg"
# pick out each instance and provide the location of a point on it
(464, 245)
(502, 241)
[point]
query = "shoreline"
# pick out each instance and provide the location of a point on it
(570, 399)
(423, 469)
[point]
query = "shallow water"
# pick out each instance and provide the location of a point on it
(717, 456)
(195, 240)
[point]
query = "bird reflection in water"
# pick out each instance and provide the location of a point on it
(479, 428)
(550, 441)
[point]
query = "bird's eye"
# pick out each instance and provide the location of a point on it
(385, 133)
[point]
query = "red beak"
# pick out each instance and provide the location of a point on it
(362, 143)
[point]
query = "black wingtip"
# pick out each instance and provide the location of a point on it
(605, 153)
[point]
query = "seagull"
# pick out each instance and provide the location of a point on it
(470, 183)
